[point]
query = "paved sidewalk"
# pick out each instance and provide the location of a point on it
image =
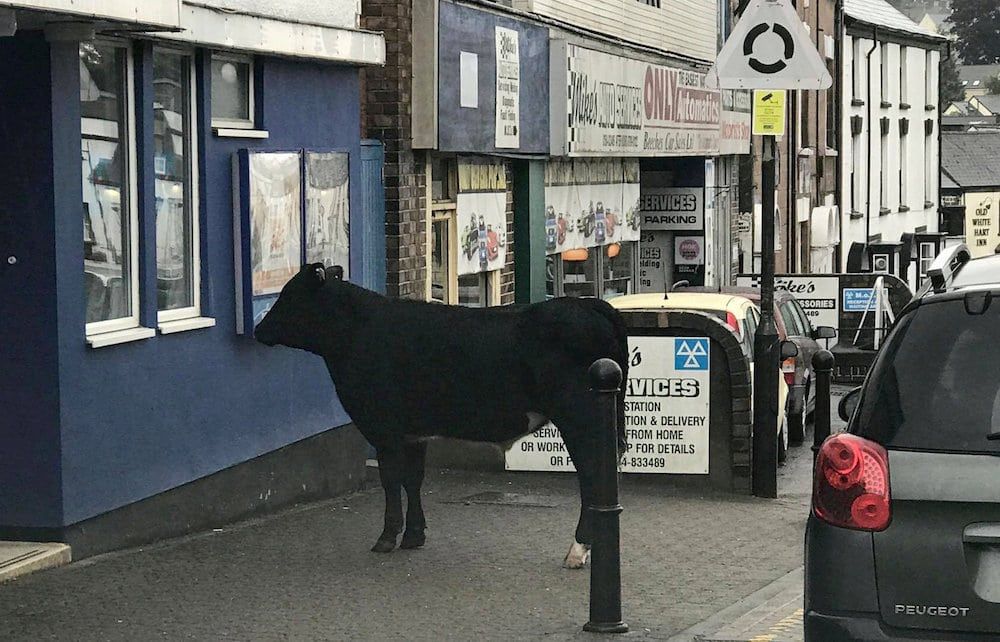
(490, 570)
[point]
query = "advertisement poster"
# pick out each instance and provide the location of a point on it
(482, 216)
(982, 223)
(734, 122)
(818, 295)
(655, 255)
(625, 107)
(590, 203)
(673, 209)
(666, 413)
(508, 89)
(328, 209)
(275, 222)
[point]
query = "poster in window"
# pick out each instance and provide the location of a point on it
(481, 206)
(508, 93)
(328, 209)
(275, 220)
(590, 202)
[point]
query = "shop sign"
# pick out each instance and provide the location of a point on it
(626, 107)
(654, 252)
(859, 300)
(734, 122)
(481, 206)
(590, 203)
(952, 200)
(508, 101)
(666, 413)
(982, 223)
(673, 209)
(818, 295)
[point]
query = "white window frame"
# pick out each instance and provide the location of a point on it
(132, 183)
(904, 93)
(194, 209)
(856, 69)
(235, 123)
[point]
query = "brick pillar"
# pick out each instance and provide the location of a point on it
(386, 114)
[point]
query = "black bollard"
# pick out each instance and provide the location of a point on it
(605, 568)
(822, 363)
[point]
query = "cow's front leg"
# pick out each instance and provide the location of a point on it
(391, 467)
(413, 479)
(580, 451)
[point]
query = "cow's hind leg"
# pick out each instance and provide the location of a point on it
(391, 469)
(415, 454)
(578, 428)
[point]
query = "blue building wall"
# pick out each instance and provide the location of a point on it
(139, 418)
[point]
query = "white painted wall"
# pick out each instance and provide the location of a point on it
(685, 27)
(918, 154)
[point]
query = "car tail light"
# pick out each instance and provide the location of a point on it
(851, 483)
(733, 323)
(788, 367)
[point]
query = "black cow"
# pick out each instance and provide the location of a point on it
(406, 371)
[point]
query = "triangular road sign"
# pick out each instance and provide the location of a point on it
(769, 49)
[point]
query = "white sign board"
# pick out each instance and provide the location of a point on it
(819, 296)
(666, 413)
(672, 209)
(769, 49)
(508, 99)
(655, 254)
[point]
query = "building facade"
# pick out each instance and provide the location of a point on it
(171, 165)
(890, 137)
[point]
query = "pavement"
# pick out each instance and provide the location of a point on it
(490, 570)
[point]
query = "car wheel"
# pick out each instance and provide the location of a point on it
(796, 431)
(783, 444)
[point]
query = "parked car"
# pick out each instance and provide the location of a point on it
(737, 312)
(903, 540)
(793, 325)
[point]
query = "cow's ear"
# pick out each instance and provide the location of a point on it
(316, 274)
(335, 272)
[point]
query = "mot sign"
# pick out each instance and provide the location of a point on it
(666, 413)
(769, 49)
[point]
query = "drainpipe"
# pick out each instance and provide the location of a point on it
(868, 170)
(838, 88)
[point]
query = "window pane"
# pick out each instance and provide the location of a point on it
(473, 290)
(439, 262)
(580, 272)
(618, 269)
(174, 211)
(550, 276)
(231, 90)
(104, 155)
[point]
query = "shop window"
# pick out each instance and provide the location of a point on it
(441, 260)
(177, 251)
(605, 271)
(474, 290)
(109, 208)
(232, 91)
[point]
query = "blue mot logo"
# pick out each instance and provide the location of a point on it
(690, 354)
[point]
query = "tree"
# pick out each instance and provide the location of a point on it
(993, 85)
(950, 84)
(976, 27)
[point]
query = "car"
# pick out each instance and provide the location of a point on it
(738, 313)
(903, 538)
(793, 325)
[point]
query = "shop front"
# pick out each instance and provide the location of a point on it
(136, 404)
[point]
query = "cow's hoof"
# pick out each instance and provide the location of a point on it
(412, 539)
(384, 545)
(577, 556)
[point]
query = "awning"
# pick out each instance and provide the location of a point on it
(155, 14)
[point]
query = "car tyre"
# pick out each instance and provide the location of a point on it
(796, 430)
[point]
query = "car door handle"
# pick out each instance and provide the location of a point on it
(982, 533)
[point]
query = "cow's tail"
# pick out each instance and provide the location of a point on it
(621, 358)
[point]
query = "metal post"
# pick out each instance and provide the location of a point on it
(765, 388)
(823, 362)
(605, 570)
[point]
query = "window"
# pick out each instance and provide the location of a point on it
(903, 93)
(441, 259)
(929, 166)
(903, 162)
(929, 73)
(177, 252)
(232, 91)
(856, 176)
(884, 170)
(926, 258)
(856, 70)
(884, 70)
(606, 271)
(109, 210)
(793, 327)
(474, 290)
(804, 121)
(831, 112)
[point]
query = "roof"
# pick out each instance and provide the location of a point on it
(978, 72)
(961, 106)
(883, 14)
(990, 102)
(696, 301)
(971, 159)
(947, 183)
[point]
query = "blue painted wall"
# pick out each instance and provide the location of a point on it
(136, 419)
(29, 397)
(462, 129)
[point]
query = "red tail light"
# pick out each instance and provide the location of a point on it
(851, 484)
(788, 367)
(733, 323)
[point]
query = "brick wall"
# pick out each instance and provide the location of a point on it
(386, 117)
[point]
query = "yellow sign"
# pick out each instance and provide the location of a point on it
(982, 223)
(769, 112)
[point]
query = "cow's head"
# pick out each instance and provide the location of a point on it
(297, 318)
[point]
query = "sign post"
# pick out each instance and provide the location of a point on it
(769, 49)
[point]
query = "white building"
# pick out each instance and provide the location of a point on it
(890, 130)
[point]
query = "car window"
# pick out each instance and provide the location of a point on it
(934, 386)
(804, 321)
(751, 322)
(792, 326)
